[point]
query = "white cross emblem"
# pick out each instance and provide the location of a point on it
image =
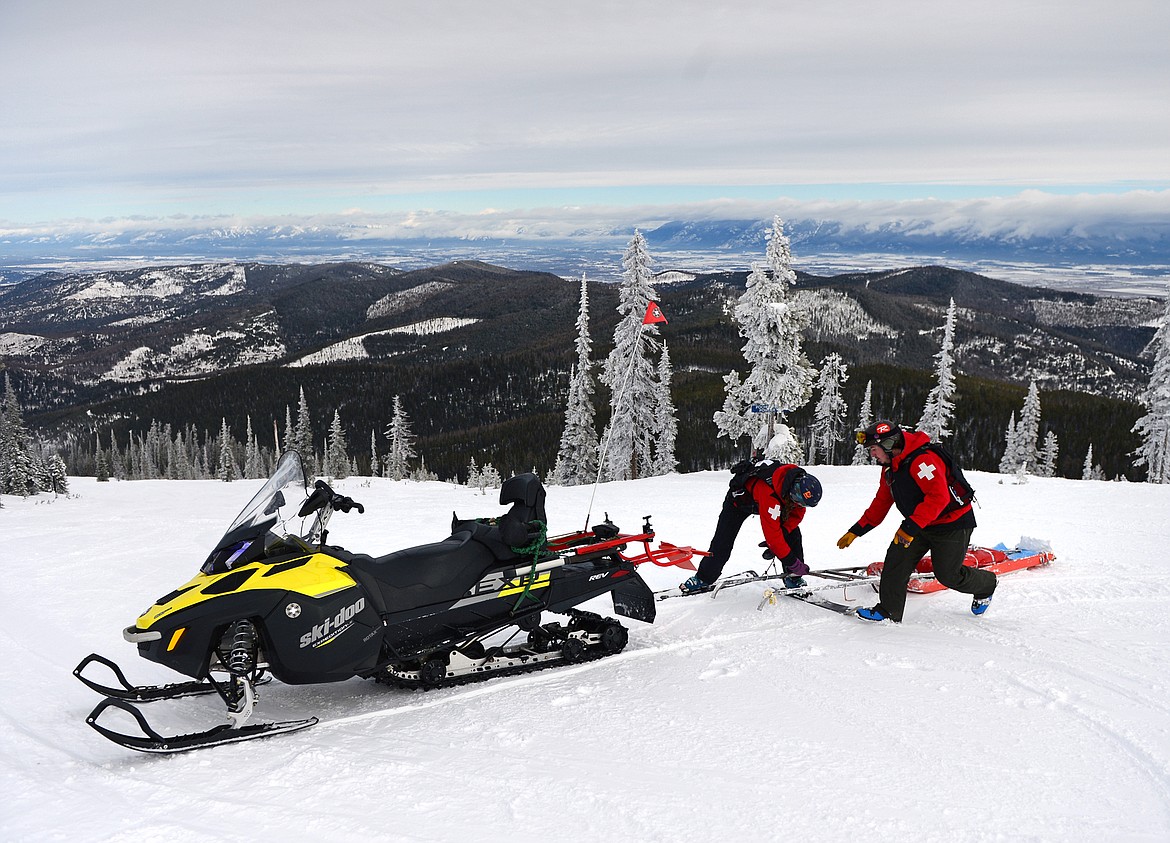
(776, 512)
(925, 471)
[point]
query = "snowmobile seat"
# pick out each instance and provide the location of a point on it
(514, 528)
(429, 573)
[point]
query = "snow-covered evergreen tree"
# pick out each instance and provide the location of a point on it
(1009, 461)
(828, 425)
(303, 432)
(1090, 471)
(290, 432)
(401, 443)
(226, 470)
(1028, 429)
(578, 452)
(16, 463)
(780, 378)
(56, 473)
(664, 459)
(253, 463)
(336, 458)
(1154, 426)
(1046, 466)
(488, 478)
(630, 374)
(374, 460)
(864, 419)
(940, 403)
(472, 474)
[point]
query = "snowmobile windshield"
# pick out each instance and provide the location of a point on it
(286, 486)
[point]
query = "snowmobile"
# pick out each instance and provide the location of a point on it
(270, 604)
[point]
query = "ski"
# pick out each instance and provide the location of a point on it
(152, 741)
(770, 596)
(837, 579)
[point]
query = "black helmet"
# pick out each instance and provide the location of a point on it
(805, 491)
(884, 434)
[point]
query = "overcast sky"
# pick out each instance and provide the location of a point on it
(122, 109)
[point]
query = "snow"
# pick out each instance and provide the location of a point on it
(1046, 719)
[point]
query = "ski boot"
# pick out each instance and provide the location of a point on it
(876, 613)
(694, 585)
(979, 605)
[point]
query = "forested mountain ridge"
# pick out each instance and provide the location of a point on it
(480, 353)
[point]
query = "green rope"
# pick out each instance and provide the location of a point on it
(539, 543)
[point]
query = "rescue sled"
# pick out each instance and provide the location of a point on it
(999, 560)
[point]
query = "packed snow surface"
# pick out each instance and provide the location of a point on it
(1046, 719)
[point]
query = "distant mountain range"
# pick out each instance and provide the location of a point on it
(595, 250)
(480, 353)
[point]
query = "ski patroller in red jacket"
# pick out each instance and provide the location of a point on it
(778, 515)
(917, 482)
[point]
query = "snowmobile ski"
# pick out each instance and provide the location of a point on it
(144, 693)
(152, 741)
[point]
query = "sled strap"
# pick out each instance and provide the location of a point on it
(539, 543)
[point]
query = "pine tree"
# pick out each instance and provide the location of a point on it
(253, 464)
(57, 475)
(1028, 430)
(336, 460)
(577, 455)
(664, 459)
(488, 478)
(1154, 426)
(303, 437)
(227, 470)
(828, 426)
(472, 475)
(940, 403)
(290, 432)
(780, 380)
(629, 374)
(1046, 467)
(16, 463)
(1088, 470)
(401, 443)
(865, 419)
(1009, 461)
(373, 453)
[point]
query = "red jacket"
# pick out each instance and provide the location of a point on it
(778, 516)
(917, 483)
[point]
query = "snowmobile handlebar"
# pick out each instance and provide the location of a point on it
(323, 496)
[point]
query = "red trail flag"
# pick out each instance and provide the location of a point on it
(654, 314)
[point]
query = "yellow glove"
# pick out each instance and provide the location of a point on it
(846, 540)
(902, 537)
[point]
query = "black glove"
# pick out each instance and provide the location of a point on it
(768, 554)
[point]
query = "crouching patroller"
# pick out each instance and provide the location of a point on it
(921, 478)
(779, 493)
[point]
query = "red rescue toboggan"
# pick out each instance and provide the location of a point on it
(999, 560)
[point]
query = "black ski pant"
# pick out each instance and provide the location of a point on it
(947, 549)
(731, 519)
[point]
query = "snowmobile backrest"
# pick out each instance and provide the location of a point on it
(526, 494)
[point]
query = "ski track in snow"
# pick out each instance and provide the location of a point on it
(1043, 720)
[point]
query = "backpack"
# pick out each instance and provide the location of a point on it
(743, 471)
(961, 489)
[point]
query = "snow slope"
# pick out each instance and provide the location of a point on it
(1046, 719)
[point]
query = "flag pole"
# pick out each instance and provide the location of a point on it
(653, 316)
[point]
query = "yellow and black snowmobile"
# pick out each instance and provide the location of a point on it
(269, 604)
